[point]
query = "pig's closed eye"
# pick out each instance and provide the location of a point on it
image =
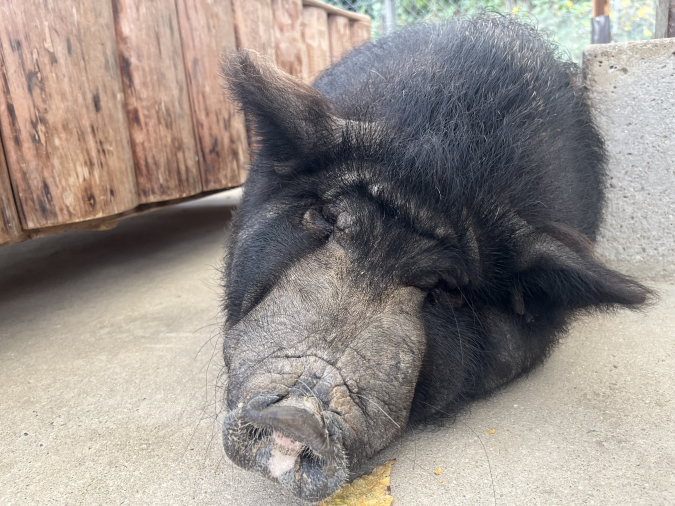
(425, 281)
(446, 295)
(441, 290)
(316, 221)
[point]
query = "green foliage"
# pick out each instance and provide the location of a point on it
(568, 22)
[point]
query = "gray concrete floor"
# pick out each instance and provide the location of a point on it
(109, 365)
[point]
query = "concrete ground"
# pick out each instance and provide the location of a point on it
(109, 371)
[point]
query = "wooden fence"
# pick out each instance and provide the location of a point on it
(109, 108)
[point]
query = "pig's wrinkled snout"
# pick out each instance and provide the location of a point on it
(316, 405)
(298, 425)
(290, 441)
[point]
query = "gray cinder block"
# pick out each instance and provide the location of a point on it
(632, 90)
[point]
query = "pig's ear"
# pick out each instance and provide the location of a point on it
(556, 266)
(291, 118)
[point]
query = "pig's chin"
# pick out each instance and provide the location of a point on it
(311, 475)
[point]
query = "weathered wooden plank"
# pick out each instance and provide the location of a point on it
(10, 227)
(339, 37)
(61, 111)
(110, 222)
(254, 29)
(254, 26)
(157, 99)
(359, 32)
(291, 51)
(207, 30)
(316, 39)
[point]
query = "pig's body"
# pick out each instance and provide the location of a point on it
(412, 235)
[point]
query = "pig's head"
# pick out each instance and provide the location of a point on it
(336, 277)
(324, 334)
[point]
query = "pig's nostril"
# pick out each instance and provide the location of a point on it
(296, 423)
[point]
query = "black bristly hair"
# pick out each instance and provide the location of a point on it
(470, 135)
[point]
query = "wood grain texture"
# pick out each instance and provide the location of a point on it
(157, 99)
(61, 112)
(291, 51)
(359, 32)
(254, 26)
(316, 39)
(10, 227)
(207, 30)
(106, 223)
(339, 37)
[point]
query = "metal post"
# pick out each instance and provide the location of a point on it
(665, 19)
(601, 31)
(389, 15)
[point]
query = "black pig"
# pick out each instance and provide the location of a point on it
(416, 230)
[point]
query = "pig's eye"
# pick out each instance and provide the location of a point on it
(316, 221)
(426, 282)
(431, 280)
(447, 296)
(329, 214)
(441, 290)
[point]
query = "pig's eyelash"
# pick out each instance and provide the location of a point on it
(329, 214)
(315, 220)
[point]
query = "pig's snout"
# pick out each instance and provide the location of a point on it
(293, 427)
(290, 441)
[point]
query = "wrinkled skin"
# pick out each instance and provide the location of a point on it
(352, 362)
(333, 344)
(415, 232)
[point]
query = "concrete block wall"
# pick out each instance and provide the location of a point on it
(632, 91)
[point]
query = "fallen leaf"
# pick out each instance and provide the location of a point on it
(370, 490)
(438, 470)
(491, 431)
